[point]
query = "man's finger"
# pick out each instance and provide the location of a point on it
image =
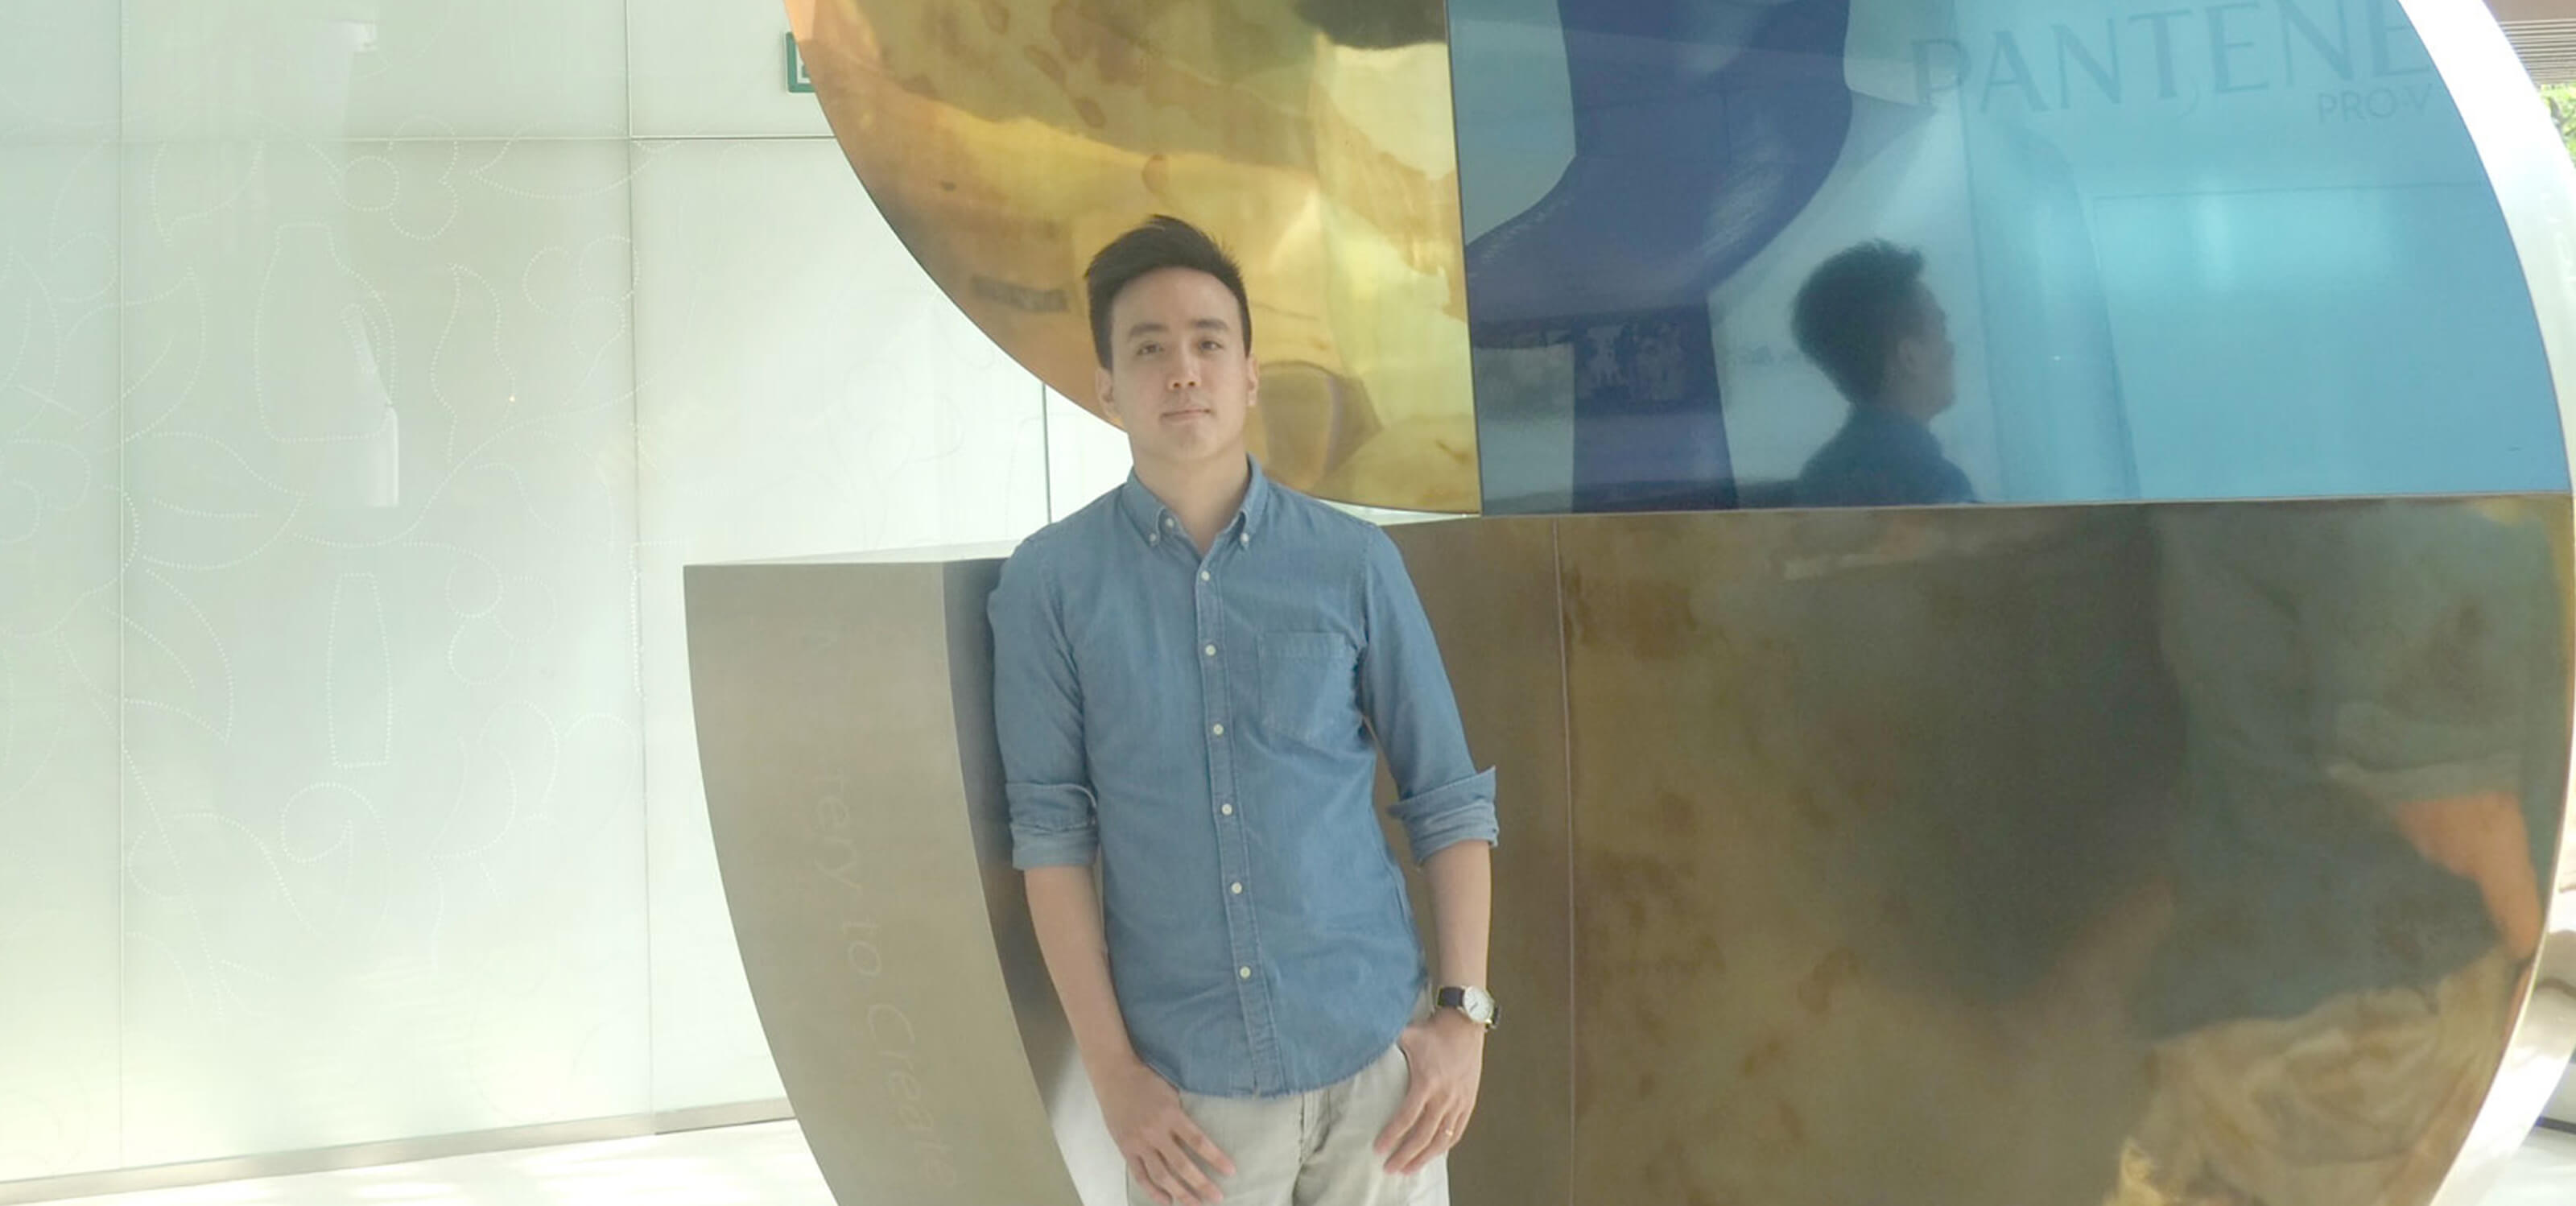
(1197, 1141)
(1416, 1101)
(2513, 901)
(1201, 1191)
(1457, 1129)
(1417, 1151)
(1143, 1172)
(1417, 1143)
(1443, 1139)
(1168, 1180)
(2517, 919)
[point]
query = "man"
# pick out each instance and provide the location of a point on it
(1188, 674)
(2375, 745)
(1866, 319)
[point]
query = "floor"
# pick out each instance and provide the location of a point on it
(768, 1165)
(2543, 1175)
(763, 1165)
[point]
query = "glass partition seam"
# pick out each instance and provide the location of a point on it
(635, 569)
(1458, 184)
(1046, 451)
(1574, 928)
(123, 529)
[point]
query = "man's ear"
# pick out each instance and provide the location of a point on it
(1251, 379)
(1913, 356)
(1107, 387)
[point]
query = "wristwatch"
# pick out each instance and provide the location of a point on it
(1476, 1003)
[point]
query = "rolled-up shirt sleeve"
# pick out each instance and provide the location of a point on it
(1037, 715)
(1442, 799)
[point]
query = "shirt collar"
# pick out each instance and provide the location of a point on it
(1150, 516)
(1884, 423)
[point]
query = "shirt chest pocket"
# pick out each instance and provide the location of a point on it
(1310, 687)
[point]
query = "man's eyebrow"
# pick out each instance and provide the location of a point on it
(1203, 324)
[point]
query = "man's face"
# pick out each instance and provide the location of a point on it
(1927, 363)
(1180, 380)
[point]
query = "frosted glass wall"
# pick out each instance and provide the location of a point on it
(367, 372)
(60, 527)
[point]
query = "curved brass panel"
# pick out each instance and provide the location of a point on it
(1007, 140)
(2529, 174)
(870, 883)
(2015, 858)
(1958, 857)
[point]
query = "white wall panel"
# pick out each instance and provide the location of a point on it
(58, 659)
(196, 69)
(802, 387)
(384, 859)
(715, 68)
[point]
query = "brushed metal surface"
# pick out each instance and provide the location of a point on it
(1843, 859)
(1489, 586)
(858, 878)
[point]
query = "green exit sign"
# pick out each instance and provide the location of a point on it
(797, 80)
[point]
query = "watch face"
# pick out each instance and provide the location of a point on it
(1476, 1003)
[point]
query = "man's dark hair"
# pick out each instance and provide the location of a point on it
(1162, 242)
(1854, 310)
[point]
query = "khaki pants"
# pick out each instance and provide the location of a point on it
(1314, 1149)
(2362, 1102)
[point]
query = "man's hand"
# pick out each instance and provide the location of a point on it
(1157, 1137)
(1447, 1055)
(2483, 839)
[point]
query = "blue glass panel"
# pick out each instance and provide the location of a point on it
(2226, 250)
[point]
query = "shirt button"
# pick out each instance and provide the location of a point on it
(1243, 973)
(1245, 538)
(1217, 729)
(1225, 810)
(1167, 521)
(1238, 889)
(1211, 651)
(1203, 576)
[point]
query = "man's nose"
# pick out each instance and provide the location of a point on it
(1185, 372)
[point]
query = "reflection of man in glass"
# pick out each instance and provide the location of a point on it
(2374, 743)
(1867, 320)
(1701, 129)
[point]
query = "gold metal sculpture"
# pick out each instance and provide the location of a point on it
(2000, 857)
(1006, 140)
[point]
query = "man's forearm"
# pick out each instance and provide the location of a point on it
(1462, 911)
(1066, 907)
(2484, 838)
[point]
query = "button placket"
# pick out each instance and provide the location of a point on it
(1233, 853)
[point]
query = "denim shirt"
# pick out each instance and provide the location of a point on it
(1202, 725)
(1882, 459)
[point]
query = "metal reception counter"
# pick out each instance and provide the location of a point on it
(1972, 855)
